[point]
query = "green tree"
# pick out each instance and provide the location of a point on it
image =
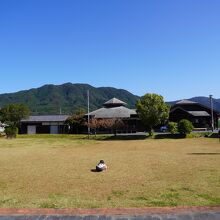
(173, 127)
(152, 111)
(11, 131)
(76, 121)
(13, 113)
(185, 126)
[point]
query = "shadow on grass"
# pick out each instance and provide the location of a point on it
(214, 135)
(110, 137)
(125, 137)
(169, 136)
(52, 136)
(203, 153)
(140, 137)
(95, 171)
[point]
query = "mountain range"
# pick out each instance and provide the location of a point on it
(68, 97)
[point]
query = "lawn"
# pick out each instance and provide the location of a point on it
(54, 172)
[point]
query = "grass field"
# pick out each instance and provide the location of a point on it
(54, 172)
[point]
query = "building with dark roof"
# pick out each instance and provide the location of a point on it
(55, 124)
(199, 115)
(44, 124)
(115, 109)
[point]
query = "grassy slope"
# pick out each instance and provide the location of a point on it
(55, 172)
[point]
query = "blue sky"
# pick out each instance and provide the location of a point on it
(169, 47)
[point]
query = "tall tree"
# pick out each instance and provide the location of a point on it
(13, 113)
(76, 121)
(152, 111)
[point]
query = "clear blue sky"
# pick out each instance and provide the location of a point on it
(170, 47)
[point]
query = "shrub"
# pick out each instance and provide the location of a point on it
(11, 131)
(185, 127)
(172, 127)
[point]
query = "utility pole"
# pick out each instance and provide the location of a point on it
(211, 106)
(88, 115)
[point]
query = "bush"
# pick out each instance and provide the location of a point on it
(11, 131)
(185, 127)
(172, 127)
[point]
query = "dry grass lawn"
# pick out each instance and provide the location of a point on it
(55, 172)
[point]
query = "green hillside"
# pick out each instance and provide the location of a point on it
(49, 99)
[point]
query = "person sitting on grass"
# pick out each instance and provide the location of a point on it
(101, 166)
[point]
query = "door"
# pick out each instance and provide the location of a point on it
(31, 129)
(54, 129)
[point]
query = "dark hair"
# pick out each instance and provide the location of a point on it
(101, 161)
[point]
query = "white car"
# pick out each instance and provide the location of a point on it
(2, 127)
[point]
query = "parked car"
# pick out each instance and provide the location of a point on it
(163, 128)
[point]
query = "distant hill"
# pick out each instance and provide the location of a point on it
(49, 99)
(204, 101)
(68, 97)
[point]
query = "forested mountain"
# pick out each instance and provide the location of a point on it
(66, 98)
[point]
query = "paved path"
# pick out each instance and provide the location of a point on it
(168, 213)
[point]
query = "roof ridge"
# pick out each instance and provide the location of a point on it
(115, 101)
(186, 101)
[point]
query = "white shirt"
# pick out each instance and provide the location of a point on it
(101, 166)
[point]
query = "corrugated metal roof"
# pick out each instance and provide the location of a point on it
(115, 112)
(46, 118)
